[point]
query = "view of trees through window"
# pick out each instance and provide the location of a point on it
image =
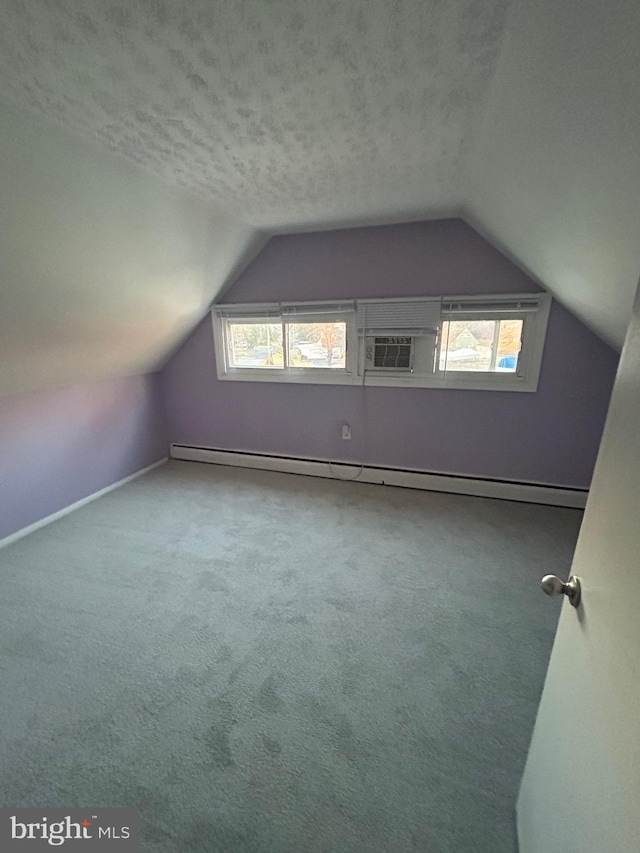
(255, 344)
(308, 344)
(467, 345)
(481, 345)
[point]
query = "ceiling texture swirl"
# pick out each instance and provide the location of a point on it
(285, 113)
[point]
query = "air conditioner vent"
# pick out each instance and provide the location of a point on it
(389, 353)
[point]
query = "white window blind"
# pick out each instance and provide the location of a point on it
(411, 317)
(276, 310)
(249, 312)
(312, 310)
(467, 306)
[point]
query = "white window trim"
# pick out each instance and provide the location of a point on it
(525, 379)
(534, 332)
(308, 312)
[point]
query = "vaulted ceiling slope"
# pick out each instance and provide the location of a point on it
(103, 269)
(555, 176)
(298, 114)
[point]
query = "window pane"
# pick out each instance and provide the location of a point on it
(317, 344)
(484, 346)
(509, 343)
(254, 344)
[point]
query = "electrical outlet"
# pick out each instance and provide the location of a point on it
(346, 431)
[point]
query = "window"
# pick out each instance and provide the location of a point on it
(254, 344)
(317, 345)
(492, 343)
(481, 343)
(286, 343)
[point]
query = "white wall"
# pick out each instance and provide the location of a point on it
(555, 178)
(103, 268)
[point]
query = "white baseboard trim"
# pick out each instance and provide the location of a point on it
(502, 489)
(43, 522)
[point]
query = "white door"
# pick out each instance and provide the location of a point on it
(581, 787)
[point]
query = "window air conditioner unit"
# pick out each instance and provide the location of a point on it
(388, 353)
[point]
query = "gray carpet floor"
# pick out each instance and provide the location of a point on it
(267, 662)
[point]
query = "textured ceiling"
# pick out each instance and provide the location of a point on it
(523, 117)
(286, 113)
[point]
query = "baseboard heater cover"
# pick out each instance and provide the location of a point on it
(452, 483)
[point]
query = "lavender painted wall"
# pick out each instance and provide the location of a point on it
(550, 436)
(57, 447)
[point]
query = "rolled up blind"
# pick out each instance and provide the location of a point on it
(247, 313)
(314, 310)
(392, 317)
(526, 303)
(282, 310)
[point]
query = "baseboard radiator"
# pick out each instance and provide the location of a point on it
(501, 489)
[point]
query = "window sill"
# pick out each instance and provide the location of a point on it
(380, 381)
(328, 377)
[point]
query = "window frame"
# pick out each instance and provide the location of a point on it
(534, 328)
(525, 378)
(304, 312)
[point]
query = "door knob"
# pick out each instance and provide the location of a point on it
(554, 586)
